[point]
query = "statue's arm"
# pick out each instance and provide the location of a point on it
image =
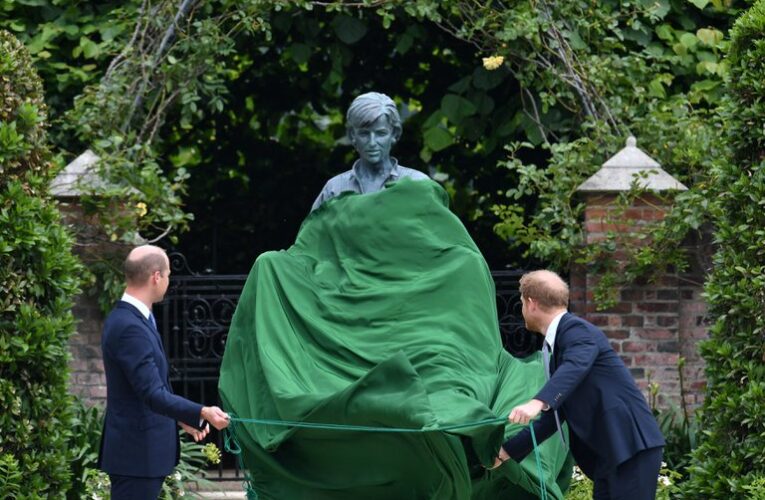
(323, 196)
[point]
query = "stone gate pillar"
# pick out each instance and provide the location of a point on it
(87, 378)
(652, 324)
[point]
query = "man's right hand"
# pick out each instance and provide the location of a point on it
(217, 417)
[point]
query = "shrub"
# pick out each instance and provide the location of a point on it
(729, 460)
(83, 443)
(38, 279)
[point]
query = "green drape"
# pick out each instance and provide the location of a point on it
(382, 313)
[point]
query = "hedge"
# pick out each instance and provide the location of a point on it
(38, 280)
(730, 459)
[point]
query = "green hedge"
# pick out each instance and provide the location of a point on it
(730, 459)
(38, 280)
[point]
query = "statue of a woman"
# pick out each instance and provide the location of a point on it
(374, 126)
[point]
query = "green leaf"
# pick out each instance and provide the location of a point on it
(706, 66)
(710, 37)
(689, 40)
(438, 138)
(300, 52)
(90, 49)
(575, 40)
(700, 3)
(456, 108)
(349, 29)
(656, 89)
(665, 32)
(461, 86)
(405, 43)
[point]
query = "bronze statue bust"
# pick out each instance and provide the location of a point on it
(373, 126)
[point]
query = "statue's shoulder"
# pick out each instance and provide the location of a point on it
(341, 179)
(412, 173)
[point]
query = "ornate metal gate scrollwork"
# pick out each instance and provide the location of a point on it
(194, 320)
(196, 314)
(515, 338)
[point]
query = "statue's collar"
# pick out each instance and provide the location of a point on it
(395, 172)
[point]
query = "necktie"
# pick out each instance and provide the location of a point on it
(546, 364)
(153, 321)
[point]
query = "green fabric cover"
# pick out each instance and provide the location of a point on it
(382, 313)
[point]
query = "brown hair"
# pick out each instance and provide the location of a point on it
(546, 287)
(138, 271)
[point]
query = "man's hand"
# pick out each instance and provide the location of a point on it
(197, 434)
(525, 413)
(502, 457)
(217, 417)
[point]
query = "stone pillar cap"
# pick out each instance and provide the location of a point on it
(627, 167)
(75, 178)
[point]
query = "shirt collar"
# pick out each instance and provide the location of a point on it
(395, 172)
(552, 331)
(137, 304)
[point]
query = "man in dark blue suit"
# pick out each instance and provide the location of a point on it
(613, 435)
(140, 444)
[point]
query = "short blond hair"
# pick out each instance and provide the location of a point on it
(545, 287)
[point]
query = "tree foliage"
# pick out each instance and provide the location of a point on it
(38, 277)
(729, 461)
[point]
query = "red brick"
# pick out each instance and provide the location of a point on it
(667, 295)
(597, 213)
(97, 392)
(656, 334)
(656, 307)
(671, 346)
(618, 334)
(598, 319)
(632, 320)
(631, 346)
(656, 359)
(668, 321)
(632, 295)
(616, 346)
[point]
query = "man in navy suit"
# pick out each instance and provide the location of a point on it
(140, 444)
(613, 435)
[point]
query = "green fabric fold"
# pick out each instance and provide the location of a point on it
(383, 313)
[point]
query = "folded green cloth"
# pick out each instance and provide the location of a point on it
(383, 313)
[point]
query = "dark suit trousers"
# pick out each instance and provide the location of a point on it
(135, 488)
(635, 479)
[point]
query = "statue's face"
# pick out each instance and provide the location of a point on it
(374, 141)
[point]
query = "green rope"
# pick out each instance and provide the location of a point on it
(231, 442)
(542, 486)
(364, 428)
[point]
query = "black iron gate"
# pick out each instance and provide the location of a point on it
(195, 316)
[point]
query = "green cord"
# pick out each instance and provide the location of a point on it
(231, 443)
(363, 428)
(542, 486)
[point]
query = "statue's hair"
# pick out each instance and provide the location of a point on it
(546, 287)
(138, 271)
(367, 108)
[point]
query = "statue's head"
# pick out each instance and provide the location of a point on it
(367, 108)
(373, 126)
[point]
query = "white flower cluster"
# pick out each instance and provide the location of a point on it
(578, 475)
(493, 62)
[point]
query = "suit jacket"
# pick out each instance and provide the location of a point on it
(608, 418)
(140, 436)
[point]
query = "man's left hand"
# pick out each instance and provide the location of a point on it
(525, 413)
(197, 434)
(502, 457)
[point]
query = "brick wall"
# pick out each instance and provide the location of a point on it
(652, 325)
(86, 378)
